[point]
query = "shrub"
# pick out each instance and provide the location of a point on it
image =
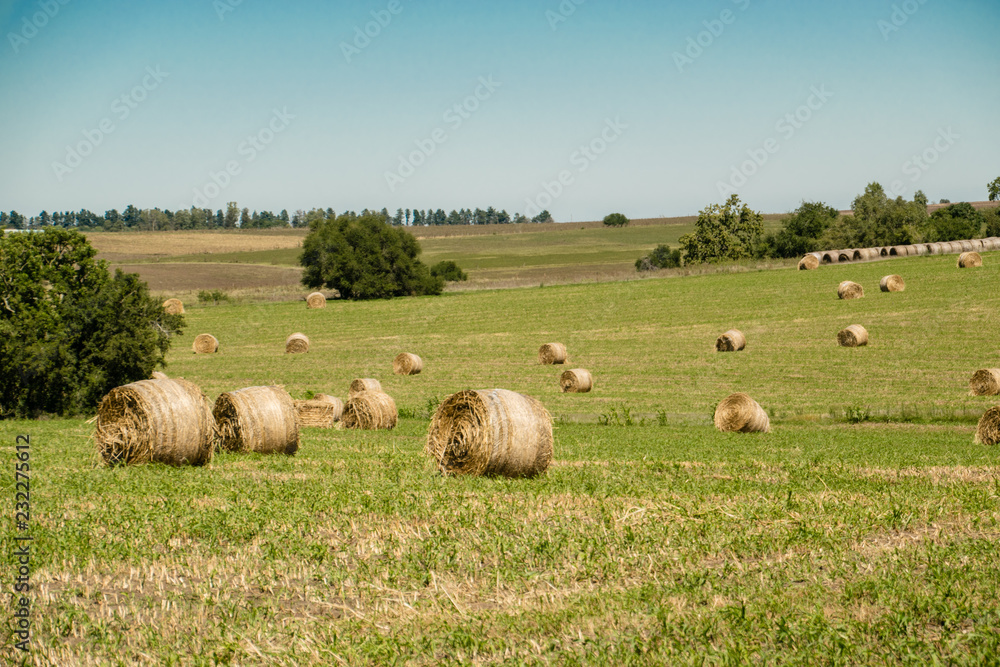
(215, 297)
(728, 232)
(616, 220)
(449, 271)
(954, 223)
(662, 257)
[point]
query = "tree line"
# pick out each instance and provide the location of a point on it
(234, 217)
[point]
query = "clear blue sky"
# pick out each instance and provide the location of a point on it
(332, 128)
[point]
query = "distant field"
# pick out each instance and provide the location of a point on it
(652, 539)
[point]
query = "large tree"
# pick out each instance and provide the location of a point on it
(878, 220)
(955, 223)
(365, 258)
(69, 330)
(727, 232)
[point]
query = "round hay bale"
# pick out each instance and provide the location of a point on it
(361, 385)
(338, 404)
(370, 411)
(407, 364)
(831, 257)
(892, 283)
(552, 353)
(985, 382)
(163, 421)
(850, 290)
(966, 246)
(257, 419)
(809, 263)
(920, 249)
(496, 433)
(738, 413)
(969, 260)
(897, 251)
(296, 343)
(935, 248)
(205, 344)
(845, 256)
(883, 252)
(731, 341)
(864, 254)
(315, 300)
(853, 336)
(988, 430)
(157, 375)
(173, 307)
(317, 413)
(576, 381)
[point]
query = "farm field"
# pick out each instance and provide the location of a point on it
(652, 539)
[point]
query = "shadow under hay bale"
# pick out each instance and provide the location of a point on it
(849, 290)
(361, 385)
(296, 343)
(162, 421)
(738, 413)
(576, 381)
(985, 382)
(370, 411)
(988, 430)
(809, 263)
(205, 344)
(853, 336)
(892, 283)
(970, 260)
(552, 353)
(318, 413)
(490, 432)
(173, 307)
(407, 364)
(315, 301)
(257, 419)
(731, 341)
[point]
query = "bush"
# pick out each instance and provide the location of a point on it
(800, 232)
(215, 297)
(954, 223)
(661, 258)
(69, 330)
(616, 220)
(992, 217)
(449, 271)
(365, 258)
(726, 232)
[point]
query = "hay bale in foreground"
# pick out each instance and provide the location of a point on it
(985, 382)
(552, 353)
(257, 419)
(361, 385)
(988, 430)
(318, 414)
(157, 375)
(731, 341)
(173, 307)
(315, 300)
(969, 260)
(491, 432)
(370, 411)
(738, 413)
(809, 263)
(849, 290)
(576, 381)
(892, 283)
(297, 343)
(407, 364)
(205, 344)
(163, 421)
(853, 336)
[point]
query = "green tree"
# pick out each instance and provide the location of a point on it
(878, 220)
(800, 232)
(232, 215)
(365, 258)
(727, 232)
(449, 271)
(544, 216)
(994, 189)
(615, 220)
(662, 257)
(955, 223)
(69, 330)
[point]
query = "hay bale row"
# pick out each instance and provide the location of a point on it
(205, 344)
(853, 336)
(406, 363)
(850, 290)
(814, 259)
(985, 382)
(731, 341)
(738, 413)
(969, 259)
(892, 283)
(173, 307)
(257, 419)
(371, 411)
(319, 413)
(362, 385)
(490, 432)
(164, 421)
(552, 353)
(576, 381)
(296, 343)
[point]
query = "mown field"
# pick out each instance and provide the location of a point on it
(863, 529)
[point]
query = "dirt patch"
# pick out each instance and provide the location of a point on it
(164, 277)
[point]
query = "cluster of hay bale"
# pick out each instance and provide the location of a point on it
(406, 363)
(813, 260)
(257, 419)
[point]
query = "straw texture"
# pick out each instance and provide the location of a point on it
(257, 419)
(738, 413)
(576, 381)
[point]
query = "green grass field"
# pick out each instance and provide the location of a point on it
(652, 539)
